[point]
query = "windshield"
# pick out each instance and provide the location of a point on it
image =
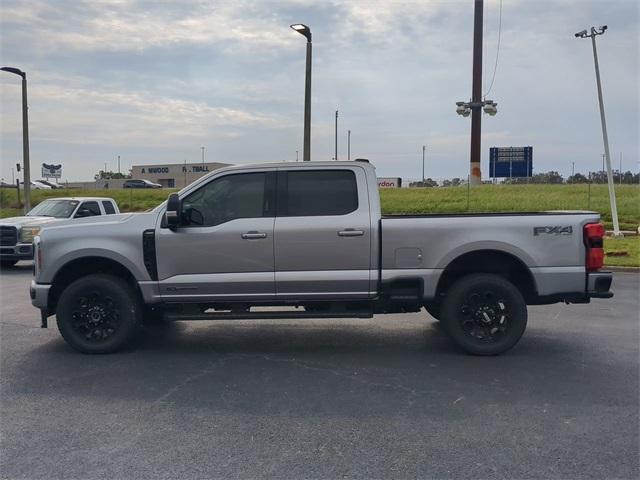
(54, 208)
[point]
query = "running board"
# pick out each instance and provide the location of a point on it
(266, 315)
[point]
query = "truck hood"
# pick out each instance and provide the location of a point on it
(141, 220)
(26, 220)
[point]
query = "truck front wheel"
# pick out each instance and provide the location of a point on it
(484, 314)
(98, 314)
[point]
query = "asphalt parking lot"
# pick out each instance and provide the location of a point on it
(379, 398)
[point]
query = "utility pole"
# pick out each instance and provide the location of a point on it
(605, 137)
(620, 170)
(348, 144)
(336, 154)
(202, 148)
(603, 157)
(573, 168)
(424, 147)
(118, 163)
(476, 95)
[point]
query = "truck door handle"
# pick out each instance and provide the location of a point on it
(253, 235)
(350, 232)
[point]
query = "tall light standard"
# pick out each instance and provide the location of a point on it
(348, 144)
(605, 138)
(202, 148)
(336, 151)
(25, 137)
(424, 148)
(306, 150)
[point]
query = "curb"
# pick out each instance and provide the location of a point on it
(622, 269)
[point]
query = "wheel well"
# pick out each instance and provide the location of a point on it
(489, 261)
(81, 267)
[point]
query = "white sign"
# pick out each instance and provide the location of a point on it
(51, 171)
(389, 182)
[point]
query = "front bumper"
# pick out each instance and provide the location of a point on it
(20, 251)
(599, 284)
(39, 294)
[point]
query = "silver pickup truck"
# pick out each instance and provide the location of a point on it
(308, 240)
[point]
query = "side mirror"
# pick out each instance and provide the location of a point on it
(174, 209)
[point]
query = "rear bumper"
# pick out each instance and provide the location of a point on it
(39, 294)
(20, 251)
(599, 284)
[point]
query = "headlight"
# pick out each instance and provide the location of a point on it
(27, 233)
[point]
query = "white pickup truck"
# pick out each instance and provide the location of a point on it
(16, 233)
(310, 235)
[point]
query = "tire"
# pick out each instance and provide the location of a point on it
(433, 309)
(484, 314)
(98, 314)
(7, 263)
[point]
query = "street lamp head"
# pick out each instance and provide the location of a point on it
(598, 31)
(581, 34)
(17, 71)
(302, 29)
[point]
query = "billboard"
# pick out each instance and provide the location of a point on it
(510, 162)
(51, 171)
(389, 182)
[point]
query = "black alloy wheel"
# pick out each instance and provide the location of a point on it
(484, 314)
(98, 314)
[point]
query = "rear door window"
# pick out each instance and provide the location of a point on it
(108, 208)
(310, 193)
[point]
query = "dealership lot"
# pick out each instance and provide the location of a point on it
(384, 397)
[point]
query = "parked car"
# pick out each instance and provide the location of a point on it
(52, 185)
(36, 185)
(141, 183)
(16, 233)
(311, 235)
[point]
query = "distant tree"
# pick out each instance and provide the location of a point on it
(456, 182)
(577, 178)
(446, 183)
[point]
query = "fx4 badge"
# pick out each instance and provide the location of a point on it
(558, 230)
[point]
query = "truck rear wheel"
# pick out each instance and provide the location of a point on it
(98, 314)
(484, 314)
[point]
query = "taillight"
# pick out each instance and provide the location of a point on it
(594, 241)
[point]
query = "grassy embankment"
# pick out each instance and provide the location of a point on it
(485, 198)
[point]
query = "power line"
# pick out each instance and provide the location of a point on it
(495, 67)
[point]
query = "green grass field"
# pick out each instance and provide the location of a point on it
(485, 198)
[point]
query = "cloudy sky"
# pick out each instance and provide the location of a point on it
(153, 81)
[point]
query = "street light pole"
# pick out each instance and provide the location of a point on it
(306, 150)
(25, 138)
(424, 147)
(202, 148)
(348, 144)
(605, 137)
(336, 135)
